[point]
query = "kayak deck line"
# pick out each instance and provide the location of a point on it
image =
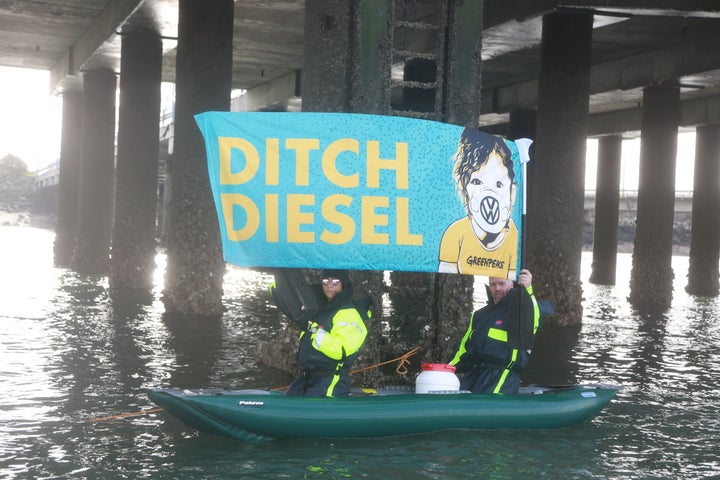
(257, 415)
(388, 390)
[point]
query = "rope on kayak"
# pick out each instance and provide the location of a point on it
(402, 365)
(401, 368)
(123, 415)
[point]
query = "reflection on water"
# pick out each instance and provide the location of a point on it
(70, 353)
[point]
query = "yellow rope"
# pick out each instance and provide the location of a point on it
(124, 415)
(402, 366)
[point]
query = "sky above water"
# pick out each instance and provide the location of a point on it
(30, 117)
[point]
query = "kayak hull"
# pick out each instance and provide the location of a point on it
(256, 415)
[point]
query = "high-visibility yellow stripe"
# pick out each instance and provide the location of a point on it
(331, 387)
(497, 334)
(500, 383)
(355, 325)
(513, 359)
(506, 372)
(461, 351)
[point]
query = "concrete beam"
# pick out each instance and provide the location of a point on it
(627, 73)
(274, 92)
(679, 8)
(619, 122)
(704, 111)
(497, 13)
(66, 72)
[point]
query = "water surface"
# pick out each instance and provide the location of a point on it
(69, 355)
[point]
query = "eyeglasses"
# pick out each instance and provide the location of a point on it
(331, 281)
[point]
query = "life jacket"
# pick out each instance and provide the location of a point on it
(322, 351)
(492, 340)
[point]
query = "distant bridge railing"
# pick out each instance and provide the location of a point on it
(48, 175)
(628, 200)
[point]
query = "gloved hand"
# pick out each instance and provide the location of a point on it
(313, 327)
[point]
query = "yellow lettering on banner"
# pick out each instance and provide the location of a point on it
(272, 161)
(329, 162)
(300, 217)
(302, 147)
(300, 212)
(345, 222)
(231, 200)
(272, 215)
(297, 218)
(402, 224)
(399, 164)
(371, 219)
(252, 160)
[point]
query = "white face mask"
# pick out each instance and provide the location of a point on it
(491, 195)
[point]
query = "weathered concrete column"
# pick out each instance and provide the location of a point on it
(68, 197)
(607, 205)
(327, 72)
(447, 298)
(462, 107)
(195, 267)
(370, 65)
(133, 236)
(651, 278)
(705, 240)
(92, 243)
(464, 62)
(347, 70)
(554, 219)
(442, 303)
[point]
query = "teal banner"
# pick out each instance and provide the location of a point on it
(364, 192)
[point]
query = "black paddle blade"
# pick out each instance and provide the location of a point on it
(520, 323)
(294, 296)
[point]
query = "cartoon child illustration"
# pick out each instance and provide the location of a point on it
(484, 242)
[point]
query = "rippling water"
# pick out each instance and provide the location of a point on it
(69, 354)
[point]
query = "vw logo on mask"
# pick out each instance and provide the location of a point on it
(490, 210)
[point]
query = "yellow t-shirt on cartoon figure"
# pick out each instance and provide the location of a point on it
(460, 247)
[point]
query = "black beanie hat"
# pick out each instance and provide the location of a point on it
(342, 275)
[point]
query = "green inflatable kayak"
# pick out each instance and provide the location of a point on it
(256, 415)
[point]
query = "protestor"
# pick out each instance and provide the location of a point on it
(496, 347)
(330, 340)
